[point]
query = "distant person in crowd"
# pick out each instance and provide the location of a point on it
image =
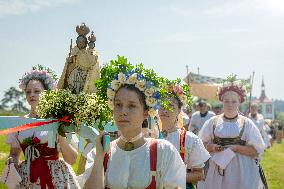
(258, 120)
(272, 131)
(187, 117)
(218, 109)
(279, 133)
(267, 130)
(209, 107)
(199, 117)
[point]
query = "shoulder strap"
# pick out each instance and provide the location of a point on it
(182, 143)
(215, 121)
(243, 124)
(106, 158)
(153, 162)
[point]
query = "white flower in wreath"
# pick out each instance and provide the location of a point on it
(150, 101)
(92, 102)
(152, 112)
(110, 104)
(141, 85)
(132, 79)
(149, 92)
(121, 77)
(115, 84)
(238, 82)
(110, 93)
(183, 99)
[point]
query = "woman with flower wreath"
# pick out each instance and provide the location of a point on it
(133, 160)
(191, 148)
(42, 167)
(234, 143)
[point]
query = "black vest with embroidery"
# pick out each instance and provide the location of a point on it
(229, 141)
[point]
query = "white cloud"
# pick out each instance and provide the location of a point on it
(235, 7)
(17, 7)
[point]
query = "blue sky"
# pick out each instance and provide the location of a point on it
(220, 36)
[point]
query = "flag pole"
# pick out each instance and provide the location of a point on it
(250, 95)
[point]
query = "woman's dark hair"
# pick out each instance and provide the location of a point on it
(179, 103)
(145, 124)
(141, 95)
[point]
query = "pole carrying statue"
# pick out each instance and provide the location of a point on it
(81, 67)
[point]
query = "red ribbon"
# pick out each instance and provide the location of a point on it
(33, 125)
(39, 169)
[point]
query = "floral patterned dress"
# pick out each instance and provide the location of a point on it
(61, 173)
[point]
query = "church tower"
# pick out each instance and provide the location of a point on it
(266, 105)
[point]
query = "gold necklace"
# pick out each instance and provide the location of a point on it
(129, 144)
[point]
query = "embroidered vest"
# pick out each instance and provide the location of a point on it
(229, 141)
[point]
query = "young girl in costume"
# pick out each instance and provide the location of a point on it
(46, 169)
(191, 148)
(234, 143)
(133, 160)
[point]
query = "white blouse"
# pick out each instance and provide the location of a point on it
(242, 171)
(259, 122)
(195, 152)
(131, 169)
(223, 129)
(14, 138)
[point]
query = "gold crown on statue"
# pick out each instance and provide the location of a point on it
(82, 29)
(92, 38)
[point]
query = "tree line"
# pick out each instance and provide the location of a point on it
(13, 100)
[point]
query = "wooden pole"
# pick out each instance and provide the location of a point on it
(70, 48)
(187, 75)
(250, 95)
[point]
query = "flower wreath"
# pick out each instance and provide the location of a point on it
(176, 89)
(180, 93)
(41, 73)
(232, 84)
(120, 72)
(147, 87)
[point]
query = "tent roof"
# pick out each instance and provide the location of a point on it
(202, 86)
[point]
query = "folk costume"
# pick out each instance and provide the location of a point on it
(228, 169)
(42, 168)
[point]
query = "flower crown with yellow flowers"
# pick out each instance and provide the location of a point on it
(152, 94)
(179, 92)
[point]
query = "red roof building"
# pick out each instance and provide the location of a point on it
(266, 105)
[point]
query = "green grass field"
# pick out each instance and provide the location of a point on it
(273, 165)
(272, 162)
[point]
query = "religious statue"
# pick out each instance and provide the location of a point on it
(81, 67)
